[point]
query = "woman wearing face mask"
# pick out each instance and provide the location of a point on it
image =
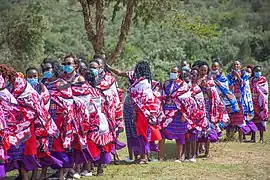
(185, 66)
(226, 95)
(101, 142)
(239, 85)
(44, 155)
(259, 88)
(107, 84)
(62, 112)
(214, 107)
(70, 67)
(17, 120)
(177, 128)
(198, 124)
(42, 127)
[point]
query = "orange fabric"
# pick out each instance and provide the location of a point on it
(31, 143)
(94, 150)
(155, 133)
(141, 124)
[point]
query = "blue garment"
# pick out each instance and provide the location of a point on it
(227, 96)
(246, 96)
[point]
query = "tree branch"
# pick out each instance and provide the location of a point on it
(125, 27)
(99, 26)
(88, 23)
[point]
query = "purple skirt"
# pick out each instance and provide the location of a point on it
(141, 147)
(28, 162)
(2, 171)
(83, 156)
(153, 147)
(193, 135)
(50, 161)
(65, 158)
(249, 127)
(105, 158)
(260, 127)
(212, 137)
(179, 138)
(117, 146)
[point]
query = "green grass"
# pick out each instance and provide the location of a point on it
(229, 160)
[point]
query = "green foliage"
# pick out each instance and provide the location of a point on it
(24, 26)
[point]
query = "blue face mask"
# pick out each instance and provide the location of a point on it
(185, 68)
(173, 76)
(32, 81)
(95, 71)
(257, 74)
(48, 74)
(68, 68)
(214, 71)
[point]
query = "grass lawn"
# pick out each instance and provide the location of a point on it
(229, 160)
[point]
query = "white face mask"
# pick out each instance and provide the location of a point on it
(173, 76)
(214, 71)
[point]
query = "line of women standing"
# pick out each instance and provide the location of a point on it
(195, 105)
(69, 120)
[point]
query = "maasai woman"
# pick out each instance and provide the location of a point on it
(134, 146)
(45, 158)
(215, 110)
(16, 129)
(148, 109)
(239, 85)
(226, 95)
(177, 128)
(107, 84)
(62, 112)
(199, 124)
(43, 126)
(101, 142)
(259, 88)
(71, 69)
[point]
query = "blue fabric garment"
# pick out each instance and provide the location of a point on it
(246, 96)
(228, 97)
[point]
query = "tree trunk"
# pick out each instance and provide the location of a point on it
(125, 27)
(99, 26)
(86, 9)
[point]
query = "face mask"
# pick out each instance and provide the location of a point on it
(95, 71)
(238, 70)
(185, 68)
(248, 74)
(68, 68)
(48, 74)
(32, 81)
(173, 76)
(257, 74)
(214, 71)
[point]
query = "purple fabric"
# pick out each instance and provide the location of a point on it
(119, 145)
(260, 127)
(246, 129)
(2, 171)
(105, 158)
(193, 135)
(212, 137)
(49, 161)
(252, 126)
(179, 138)
(153, 147)
(79, 157)
(28, 162)
(142, 147)
(66, 159)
